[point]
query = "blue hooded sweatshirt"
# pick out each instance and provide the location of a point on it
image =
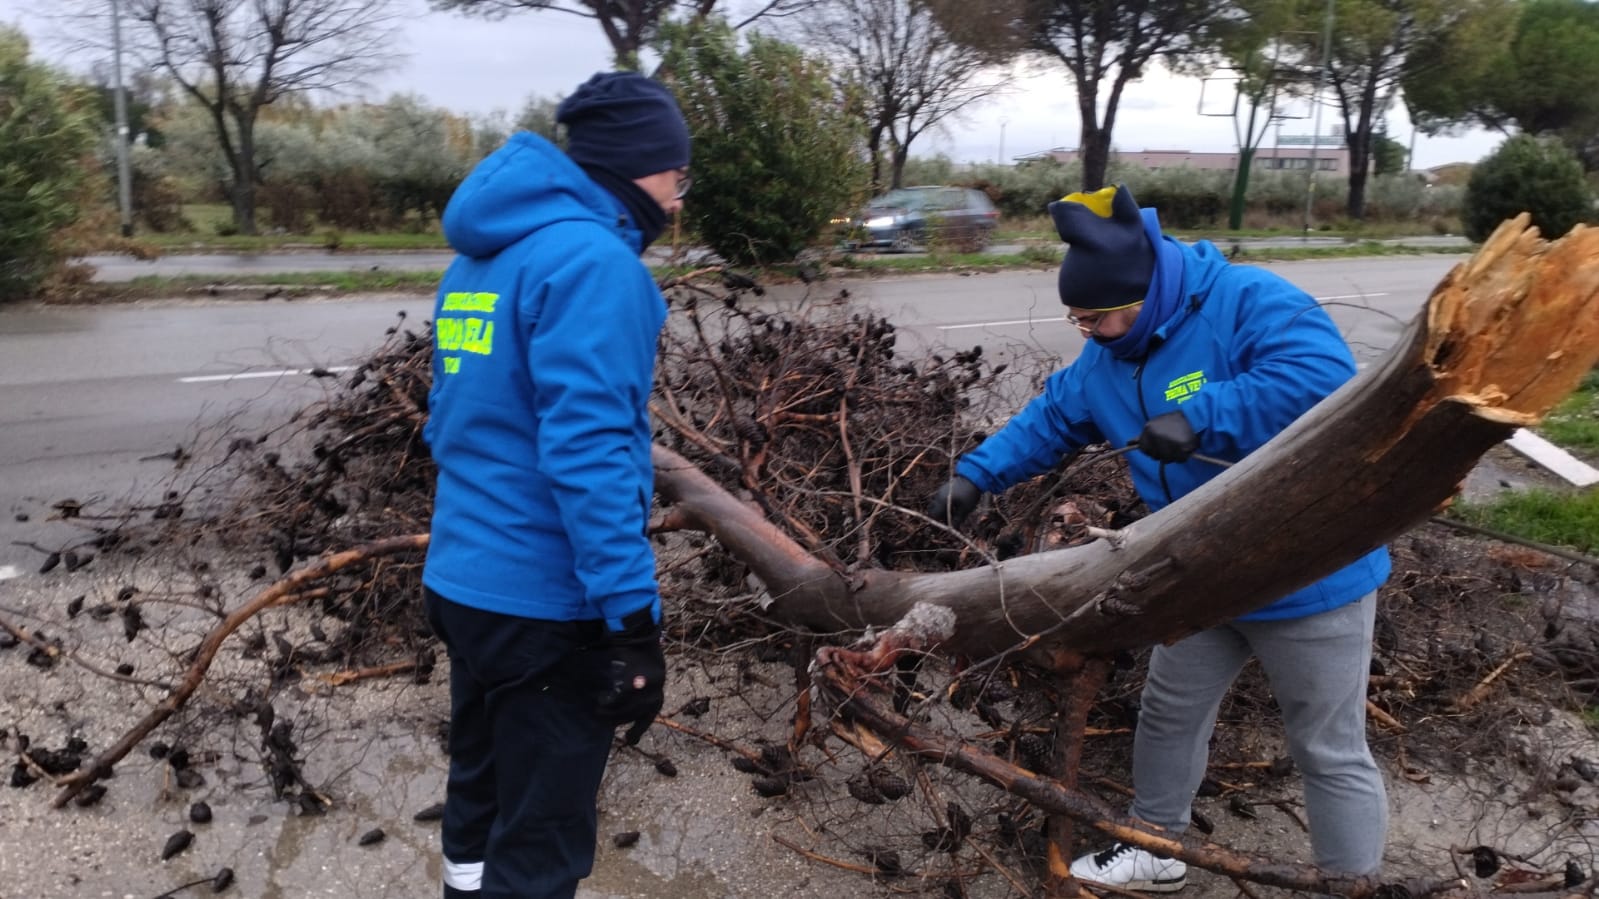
(1241, 352)
(545, 334)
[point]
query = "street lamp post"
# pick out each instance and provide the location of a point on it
(120, 102)
(1315, 134)
(1000, 157)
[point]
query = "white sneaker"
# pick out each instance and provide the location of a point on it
(1129, 868)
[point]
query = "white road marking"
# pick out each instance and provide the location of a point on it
(1017, 321)
(1034, 321)
(1553, 458)
(281, 373)
(7, 572)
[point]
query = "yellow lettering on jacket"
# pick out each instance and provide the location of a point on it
(469, 334)
(1182, 389)
(462, 301)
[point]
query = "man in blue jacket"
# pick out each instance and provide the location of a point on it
(540, 578)
(1188, 354)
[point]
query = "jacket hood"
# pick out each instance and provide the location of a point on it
(1202, 265)
(525, 185)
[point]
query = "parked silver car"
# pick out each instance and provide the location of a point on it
(907, 218)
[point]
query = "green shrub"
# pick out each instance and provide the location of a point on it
(1279, 193)
(1392, 198)
(47, 144)
(1190, 198)
(776, 154)
(288, 205)
(1185, 197)
(1574, 424)
(158, 203)
(1527, 174)
(347, 199)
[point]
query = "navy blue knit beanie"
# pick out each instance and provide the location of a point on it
(624, 123)
(1110, 261)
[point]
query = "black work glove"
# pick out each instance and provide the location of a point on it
(954, 501)
(635, 676)
(1169, 438)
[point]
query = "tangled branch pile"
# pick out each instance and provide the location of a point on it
(838, 431)
(840, 434)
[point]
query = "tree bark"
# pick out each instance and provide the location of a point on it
(1502, 339)
(246, 174)
(1359, 142)
(1095, 156)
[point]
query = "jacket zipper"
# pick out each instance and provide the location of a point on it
(1138, 385)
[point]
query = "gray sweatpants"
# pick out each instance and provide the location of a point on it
(1318, 668)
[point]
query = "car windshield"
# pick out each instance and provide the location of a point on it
(900, 199)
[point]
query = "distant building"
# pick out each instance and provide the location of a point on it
(1448, 173)
(1333, 160)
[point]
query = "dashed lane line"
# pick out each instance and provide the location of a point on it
(246, 375)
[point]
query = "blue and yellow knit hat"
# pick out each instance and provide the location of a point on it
(1110, 260)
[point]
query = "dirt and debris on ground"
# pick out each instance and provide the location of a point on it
(309, 762)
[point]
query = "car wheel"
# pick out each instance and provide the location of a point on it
(907, 241)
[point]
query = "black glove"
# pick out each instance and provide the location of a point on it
(954, 501)
(635, 676)
(1169, 438)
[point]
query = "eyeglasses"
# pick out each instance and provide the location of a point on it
(1087, 323)
(684, 182)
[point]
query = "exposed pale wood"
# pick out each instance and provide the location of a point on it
(1503, 338)
(1480, 692)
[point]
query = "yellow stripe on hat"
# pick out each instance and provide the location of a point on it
(1097, 202)
(1118, 308)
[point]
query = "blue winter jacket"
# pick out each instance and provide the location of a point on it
(1244, 355)
(545, 332)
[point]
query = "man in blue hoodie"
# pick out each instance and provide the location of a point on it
(1188, 354)
(540, 578)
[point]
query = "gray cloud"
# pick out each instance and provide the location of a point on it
(472, 65)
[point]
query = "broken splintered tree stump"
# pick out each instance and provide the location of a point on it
(1504, 337)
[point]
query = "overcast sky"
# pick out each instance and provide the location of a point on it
(471, 65)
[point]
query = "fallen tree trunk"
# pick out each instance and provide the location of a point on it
(1501, 340)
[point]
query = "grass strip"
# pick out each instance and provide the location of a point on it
(1574, 424)
(1546, 516)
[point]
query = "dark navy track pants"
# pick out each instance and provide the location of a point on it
(526, 752)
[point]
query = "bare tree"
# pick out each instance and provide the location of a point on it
(1375, 44)
(629, 25)
(911, 73)
(236, 57)
(1098, 42)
